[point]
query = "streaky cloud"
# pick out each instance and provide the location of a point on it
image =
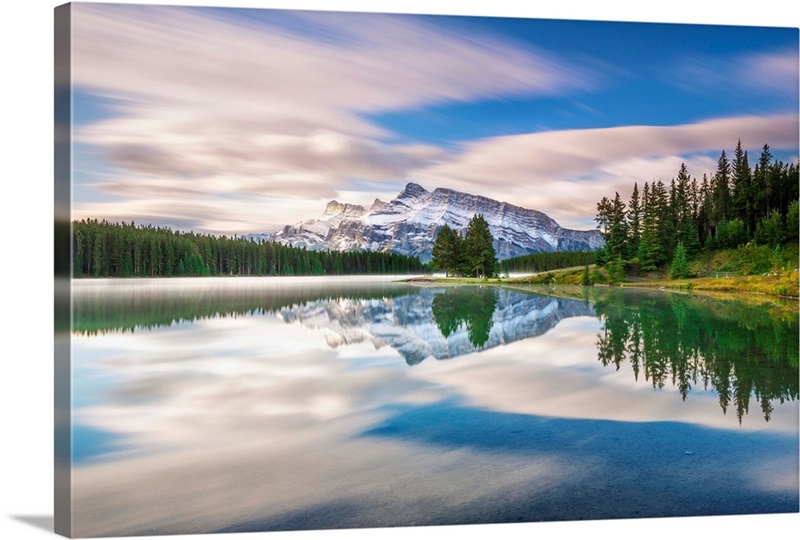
(564, 173)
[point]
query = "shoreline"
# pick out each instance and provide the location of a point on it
(708, 286)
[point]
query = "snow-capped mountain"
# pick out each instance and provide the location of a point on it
(409, 223)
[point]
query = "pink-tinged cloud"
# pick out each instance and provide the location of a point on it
(764, 73)
(211, 105)
(779, 72)
(364, 64)
(564, 173)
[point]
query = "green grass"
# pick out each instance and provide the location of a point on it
(747, 269)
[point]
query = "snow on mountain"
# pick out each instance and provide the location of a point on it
(409, 223)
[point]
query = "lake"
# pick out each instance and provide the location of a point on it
(259, 404)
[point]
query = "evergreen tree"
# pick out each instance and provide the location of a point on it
(762, 186)
(585, 279)
(649, 252)
(792, 222)
(704, 212)
(742, 196)
(479, 253)
(684, 213)
(680, 266)
(769, 230)
(443, 250)
(731, 234)
(664, 227)
(635, 215)
(720, 191)
(603, 216)
(616, 270)
(617, 231)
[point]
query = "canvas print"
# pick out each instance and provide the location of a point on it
(335, 270)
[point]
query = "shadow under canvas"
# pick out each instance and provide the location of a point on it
(40, 522)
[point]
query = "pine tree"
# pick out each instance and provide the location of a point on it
(762, 187)
(649, 252)
(603, 217)
(443, 247)
(684, 212)
(720, 191)
(742, 197)
(635, 215)
(616, 270)
(479, 253)
(585, 279)
(792, 222)
(448, 252)
(664, 227)
(617, 235)
(704, 212)
(769, 230)
(680, 266)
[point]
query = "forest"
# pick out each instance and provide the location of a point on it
(103, 249)
(666, 225)
(544, 262)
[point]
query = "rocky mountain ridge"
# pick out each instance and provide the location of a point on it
(408, 225)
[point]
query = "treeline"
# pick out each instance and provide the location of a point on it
(103, 249)
(736, 205)
(100, 312)
(545, 262)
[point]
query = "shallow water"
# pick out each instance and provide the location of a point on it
(205, 405)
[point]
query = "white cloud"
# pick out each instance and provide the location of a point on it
(564, 173)
(258, 126)
(773, 73)
(204, 101)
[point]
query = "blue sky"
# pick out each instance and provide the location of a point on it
(236, 121)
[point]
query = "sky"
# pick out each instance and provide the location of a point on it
(236, 121)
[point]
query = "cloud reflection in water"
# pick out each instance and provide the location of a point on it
(256, 422)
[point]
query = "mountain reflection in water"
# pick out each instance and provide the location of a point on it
(743, 351)
(254, 405)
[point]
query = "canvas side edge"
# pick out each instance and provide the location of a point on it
(62, 149)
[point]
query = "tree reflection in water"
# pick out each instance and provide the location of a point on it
(471, 307)
(742, 350)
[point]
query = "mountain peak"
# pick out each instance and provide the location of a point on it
(413, 190)
(335, 207)
(408, 225)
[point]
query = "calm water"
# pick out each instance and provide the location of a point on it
(273, 404)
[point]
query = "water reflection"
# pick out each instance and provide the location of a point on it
(419, 323)
(470, 307)
(105, 305)
(228, 405)
(744, 351)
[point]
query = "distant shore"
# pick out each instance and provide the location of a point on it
(777, 286)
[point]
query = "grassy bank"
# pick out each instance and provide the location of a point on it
(779, 284)
(747, 269)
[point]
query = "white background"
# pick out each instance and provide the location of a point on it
(26, 261)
